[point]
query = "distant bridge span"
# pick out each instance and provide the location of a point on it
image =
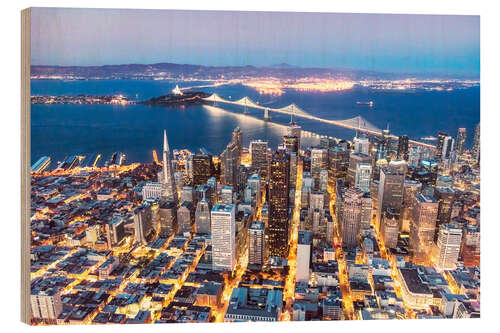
(357, 123)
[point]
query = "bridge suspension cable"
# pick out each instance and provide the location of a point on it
(357, 123)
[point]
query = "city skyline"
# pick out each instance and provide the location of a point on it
(168, 193)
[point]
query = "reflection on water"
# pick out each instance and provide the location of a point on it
(61, 130)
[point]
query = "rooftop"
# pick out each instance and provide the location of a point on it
(227, 208)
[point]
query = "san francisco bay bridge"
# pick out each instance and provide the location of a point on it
(357, 123)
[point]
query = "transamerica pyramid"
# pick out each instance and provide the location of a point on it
(170, 190)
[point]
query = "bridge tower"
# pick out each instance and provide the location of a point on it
(215, 102)
(266, 114)
(246, 108)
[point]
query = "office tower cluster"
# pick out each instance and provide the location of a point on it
(300, 231)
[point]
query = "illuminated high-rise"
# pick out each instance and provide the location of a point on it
(445, 197)
(202, 217)
(384, 145)
(294, 160)
(256, 243)
(362, 145)
(237, 140)
(223, 237)
(476, 146)
(448, 148)
(411, 189)
(185, 217)
(230, 158)
(366, 211)
(168, 217)
(304, 249)
(403, 147)
(448, 243)
(294, 130)
(423, 226)
(390, 227)
(390, 191)
(338, 163)
(318, 163)
(291, 143)
(323, 180)
(168, 172)
(461, 139)
(203, 169)
(414, 156)
(143, 223)
(278, 205)
(354, 160)
(351, 217)
(258, 153)
(440, 144)
(362, 178)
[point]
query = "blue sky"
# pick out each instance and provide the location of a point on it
(443, 44)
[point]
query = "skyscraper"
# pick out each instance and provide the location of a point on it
(338, 163)
(384, 145)
(411, 188)
(291, 143)
(254, 182)
(362, 145)
(143, 223)
(403, 147)
(448, 148)
(366, 211)
(390, 191)
(304, 244)
(223, 237)
(256, 243)
(185, 216)
(258, 153)
(202, 217)
(423, 226)
(354, 160)
(318, 163)
(461, 138)
(230, 158)
(168, 172)
(323, 181)
(414, 156)
(445, 197)
(471, 245)
(278, 205)
(390, 227)
(168, 217)
(362, 179)
(294, 130)
(440, 143)
(351, 217)
(476, 145)
(227, 195)
(294, 160)
(448, 244)
(237, 140)
(202, 169)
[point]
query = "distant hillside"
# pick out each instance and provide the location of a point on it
(187, 71)
(166, 70)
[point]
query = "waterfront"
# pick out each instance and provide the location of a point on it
(135, 129)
